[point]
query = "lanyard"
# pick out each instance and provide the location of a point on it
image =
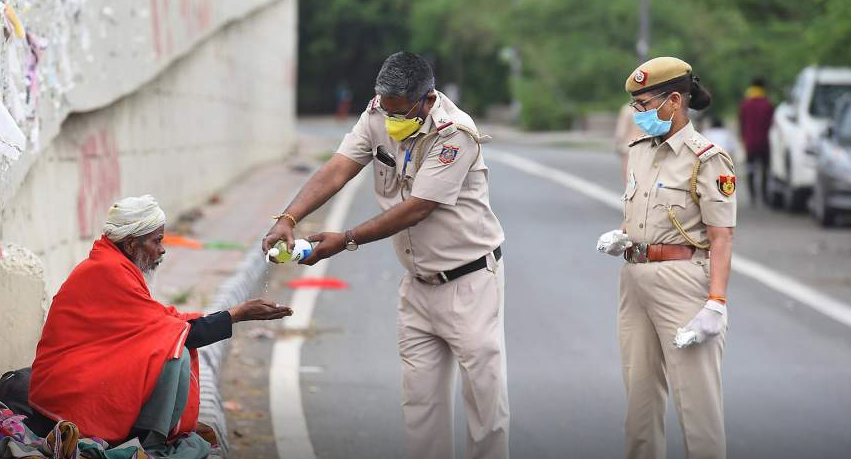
(407, 157)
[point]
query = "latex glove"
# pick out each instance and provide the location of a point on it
(709, 321)
(614, 243)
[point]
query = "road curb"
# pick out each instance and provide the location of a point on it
(248, 278)
(235, 290)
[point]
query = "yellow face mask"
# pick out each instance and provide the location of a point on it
(401, 129)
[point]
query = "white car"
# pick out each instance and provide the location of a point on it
(795, 131)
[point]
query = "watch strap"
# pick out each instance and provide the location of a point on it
(351, 244)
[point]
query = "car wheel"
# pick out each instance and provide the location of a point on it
(796, 199)
(828, 218)
(773, 197)
(823, 213)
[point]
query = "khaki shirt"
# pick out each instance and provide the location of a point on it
(659, 176)
(463, 228)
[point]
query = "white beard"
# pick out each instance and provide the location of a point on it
(150, 278)
(149, 271)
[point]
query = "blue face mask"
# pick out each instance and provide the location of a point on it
(650, 123)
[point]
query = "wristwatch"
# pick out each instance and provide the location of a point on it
(351, 245)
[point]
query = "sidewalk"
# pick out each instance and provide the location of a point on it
(239, 215)
(229, 270)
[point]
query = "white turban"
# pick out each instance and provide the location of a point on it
(133, 217)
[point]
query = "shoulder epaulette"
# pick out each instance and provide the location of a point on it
(445, 126)
(639, 140)
(370, 107)
(702, 148)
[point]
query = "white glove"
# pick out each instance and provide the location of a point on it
(614, 243)
(709, 321)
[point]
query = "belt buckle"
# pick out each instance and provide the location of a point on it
(638, 253)
(430, 280)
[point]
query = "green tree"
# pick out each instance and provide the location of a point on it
(464, 39)
(575, 54)
(344, 42)
(575, 57)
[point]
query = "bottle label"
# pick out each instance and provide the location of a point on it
(301, 250)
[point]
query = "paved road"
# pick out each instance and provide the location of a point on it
(787, 370)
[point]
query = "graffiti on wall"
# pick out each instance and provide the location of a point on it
(191, 19)
(100, 179)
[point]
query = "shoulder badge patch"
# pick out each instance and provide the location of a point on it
(727, 184)
(448, 154)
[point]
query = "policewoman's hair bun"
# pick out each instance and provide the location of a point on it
(700, 97)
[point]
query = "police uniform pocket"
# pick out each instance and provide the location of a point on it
(629, 193)
(386, 180)
(667, 198)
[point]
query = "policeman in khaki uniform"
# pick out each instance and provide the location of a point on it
(679, 214)
(432, 185)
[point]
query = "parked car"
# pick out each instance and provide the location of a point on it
(832, 189)
(796, 128)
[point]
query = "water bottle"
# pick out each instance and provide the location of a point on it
(301, 250)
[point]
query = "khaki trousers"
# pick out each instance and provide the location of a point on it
(656, 299)
(438, 325)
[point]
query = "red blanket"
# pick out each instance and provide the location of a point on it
(103, 347)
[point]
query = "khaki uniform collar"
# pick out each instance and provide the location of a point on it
(678, 140)
(436, 111)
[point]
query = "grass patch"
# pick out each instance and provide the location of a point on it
(181, 298)
(325, 156)
(581, 145)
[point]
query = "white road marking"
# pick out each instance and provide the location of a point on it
(311, 369)
(288, 421)
(831, 307)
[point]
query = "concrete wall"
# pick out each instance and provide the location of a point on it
(225, 105)
(79, 55)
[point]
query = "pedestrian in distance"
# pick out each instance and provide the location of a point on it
(344, 101)
(672, 322)
(755, 115)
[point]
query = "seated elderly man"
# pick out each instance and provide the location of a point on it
(116, 362)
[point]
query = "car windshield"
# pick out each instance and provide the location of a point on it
(825, 97)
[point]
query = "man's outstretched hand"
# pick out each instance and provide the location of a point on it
(258, 309)
(330, 244)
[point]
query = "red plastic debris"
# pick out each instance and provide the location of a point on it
(176, 240)
(328, 283)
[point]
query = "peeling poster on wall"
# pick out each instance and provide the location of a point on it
(12, 140)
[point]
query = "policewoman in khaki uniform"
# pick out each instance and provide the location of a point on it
(431, 183)
(679, 214)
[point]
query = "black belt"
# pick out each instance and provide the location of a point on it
(473, 266)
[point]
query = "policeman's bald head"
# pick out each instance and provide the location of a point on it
(404, 75)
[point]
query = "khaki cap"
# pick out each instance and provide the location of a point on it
(655, 73)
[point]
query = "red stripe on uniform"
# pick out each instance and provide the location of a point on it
(442, 126)
(705, 150)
